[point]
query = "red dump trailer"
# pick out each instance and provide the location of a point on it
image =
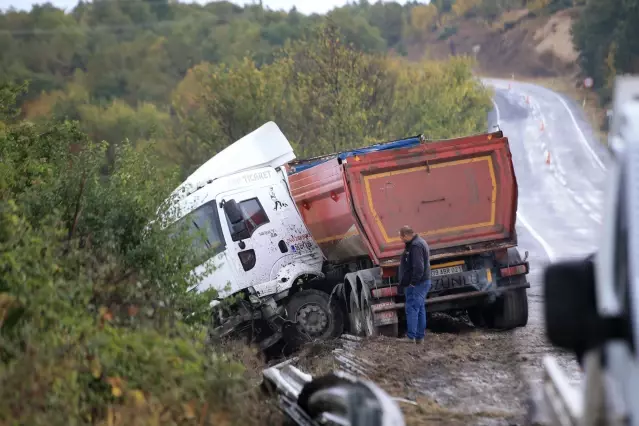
(459, 194)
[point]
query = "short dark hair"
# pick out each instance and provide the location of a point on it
(406, 231)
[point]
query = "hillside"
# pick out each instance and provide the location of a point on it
(518, 43)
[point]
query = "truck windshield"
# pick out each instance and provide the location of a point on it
(203, 225)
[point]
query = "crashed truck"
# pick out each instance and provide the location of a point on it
(311, 247)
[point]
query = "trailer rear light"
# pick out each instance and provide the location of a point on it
(514, 270)
(384, 292)
(248, 259)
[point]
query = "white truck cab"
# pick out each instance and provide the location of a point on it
(257, 239)
(259, 242)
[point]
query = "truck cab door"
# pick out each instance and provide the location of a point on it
(250, 231)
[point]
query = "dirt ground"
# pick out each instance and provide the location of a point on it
(518, 44)
(460, 375)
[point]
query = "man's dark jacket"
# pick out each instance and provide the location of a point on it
(414, 268)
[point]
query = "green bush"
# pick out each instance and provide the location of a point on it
(327, 96)
(95, 313)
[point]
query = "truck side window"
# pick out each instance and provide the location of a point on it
(203, 224)
(253, 213)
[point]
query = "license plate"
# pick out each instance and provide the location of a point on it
(446, 271)
(385, 318)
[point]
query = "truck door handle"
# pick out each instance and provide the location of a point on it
(283, 247)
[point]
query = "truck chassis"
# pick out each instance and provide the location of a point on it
(359, 299)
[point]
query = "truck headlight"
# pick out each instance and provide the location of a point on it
(254, 299)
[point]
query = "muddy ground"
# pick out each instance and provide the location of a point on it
(460, 375)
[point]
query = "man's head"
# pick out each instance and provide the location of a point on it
(406, 233)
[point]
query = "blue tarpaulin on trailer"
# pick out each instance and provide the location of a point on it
(402, 143)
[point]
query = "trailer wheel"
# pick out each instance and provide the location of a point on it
(509, 311)
(355, 317)
(315, 315)
(477, 316)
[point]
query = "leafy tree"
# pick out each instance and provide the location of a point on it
(390, 18)
(328, 96)
(606, 36)
(422, 20)
(465, 7)
(356, 29)
(96, 320)
(217, 103)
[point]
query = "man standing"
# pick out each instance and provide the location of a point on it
(414, 278)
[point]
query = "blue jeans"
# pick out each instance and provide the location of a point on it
(416, 310)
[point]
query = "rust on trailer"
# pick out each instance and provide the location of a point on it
(461, 196)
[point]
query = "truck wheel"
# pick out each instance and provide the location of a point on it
(509, 311)
(355, 316)
(477, 316)
(315, 316)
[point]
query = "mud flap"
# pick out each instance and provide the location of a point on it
(379, 315)
(384, 317)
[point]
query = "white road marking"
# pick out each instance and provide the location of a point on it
(497, 111)
(549, 251)
(582, 137)
(555, 167)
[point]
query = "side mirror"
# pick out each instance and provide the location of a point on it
(233, 212)
(239, 229)
(572, 320)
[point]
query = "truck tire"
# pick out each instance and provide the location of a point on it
(315, 316)
(356, 327)
(509, 311)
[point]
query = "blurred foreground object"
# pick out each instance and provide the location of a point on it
(334, 399)
(592, 306)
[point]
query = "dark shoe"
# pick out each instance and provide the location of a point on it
(407, 340)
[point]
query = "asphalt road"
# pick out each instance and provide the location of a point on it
(560, 203)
